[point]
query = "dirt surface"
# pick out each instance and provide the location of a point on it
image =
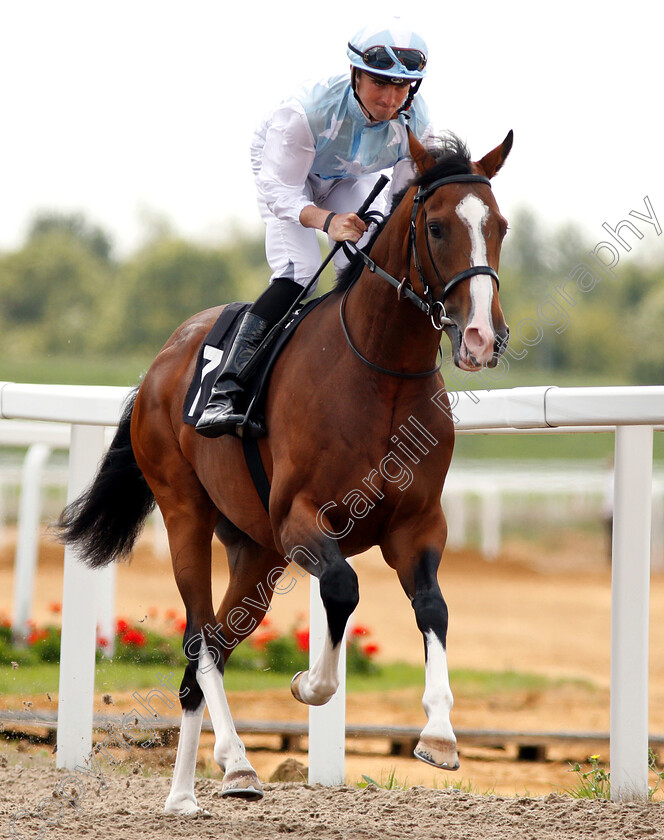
(130, 808)
(542, 610)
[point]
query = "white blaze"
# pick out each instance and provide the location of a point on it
(473, 212)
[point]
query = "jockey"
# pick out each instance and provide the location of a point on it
(315, 159)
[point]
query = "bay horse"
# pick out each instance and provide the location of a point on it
(360, 438)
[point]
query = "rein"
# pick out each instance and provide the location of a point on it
(435, 309)
(399, 374)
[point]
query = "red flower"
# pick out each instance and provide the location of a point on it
(359, 630)
(55, 607)
(181, 624)
(171, 615)
(102, 642)
(37, 636)
(265, 622)
(121, 626)
(133, 637)
(302, 639)
(153, 612)
(371, 649)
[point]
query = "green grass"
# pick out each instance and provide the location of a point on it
(39, 679)
(76, 370)
(545, 447)
(44, 677)
(390, 781)
(595, 781)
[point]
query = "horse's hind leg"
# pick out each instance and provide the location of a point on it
(181, 798)
(198, 686)
(208, 641)
(254, 572)
(417, 570)
(190, 519)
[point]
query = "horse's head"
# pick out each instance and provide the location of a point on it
(458, 233)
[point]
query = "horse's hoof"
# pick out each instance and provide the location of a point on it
(295, 686)
(243, 784)
(438, 753)
(301, 690)
(182, 807)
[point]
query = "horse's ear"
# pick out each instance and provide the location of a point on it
(423, 160)
(492, 162)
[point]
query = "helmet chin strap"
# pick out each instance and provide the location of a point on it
(412, 90)
(353, 78)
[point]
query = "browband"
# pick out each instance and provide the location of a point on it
(425, 192)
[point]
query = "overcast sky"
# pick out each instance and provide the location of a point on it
(134, 110)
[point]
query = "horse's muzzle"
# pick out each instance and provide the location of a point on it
(463, 355)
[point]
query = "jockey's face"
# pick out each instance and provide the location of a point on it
(380, 98)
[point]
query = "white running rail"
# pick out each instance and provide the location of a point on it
(634, 411)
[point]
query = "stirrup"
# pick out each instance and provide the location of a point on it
(220, 417)
(252, 427)
(237, 425)
(217, 420)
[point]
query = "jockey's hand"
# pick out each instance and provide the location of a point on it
(346, 227)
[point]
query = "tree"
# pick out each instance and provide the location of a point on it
(51, 291)
(91, 236)
(170, 280)
(645, 349)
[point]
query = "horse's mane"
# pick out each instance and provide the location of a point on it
(452, 158)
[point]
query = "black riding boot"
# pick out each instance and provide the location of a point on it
(222, 414)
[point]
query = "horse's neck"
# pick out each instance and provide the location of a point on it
(389, 331)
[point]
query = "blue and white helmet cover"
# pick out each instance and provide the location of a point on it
(391, 33)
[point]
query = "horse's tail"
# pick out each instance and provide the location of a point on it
(104, 522)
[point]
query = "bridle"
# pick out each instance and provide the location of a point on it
(434, 309)
(420, 197)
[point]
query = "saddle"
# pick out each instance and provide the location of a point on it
(210, 362)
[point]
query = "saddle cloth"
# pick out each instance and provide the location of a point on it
(212, 353)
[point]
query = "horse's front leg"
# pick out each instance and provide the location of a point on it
(417, 573)
(437, 744)
(321, 556)
(339, 594)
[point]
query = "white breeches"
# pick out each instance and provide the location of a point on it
(292, 250)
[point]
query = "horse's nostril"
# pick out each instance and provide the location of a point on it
(478, 339)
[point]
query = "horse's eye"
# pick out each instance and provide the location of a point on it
(435, 230)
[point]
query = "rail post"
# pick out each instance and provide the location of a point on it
(27, 543)
(327, 724)
(79, 617)
(630, 597)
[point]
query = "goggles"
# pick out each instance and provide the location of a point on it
(378, 58)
